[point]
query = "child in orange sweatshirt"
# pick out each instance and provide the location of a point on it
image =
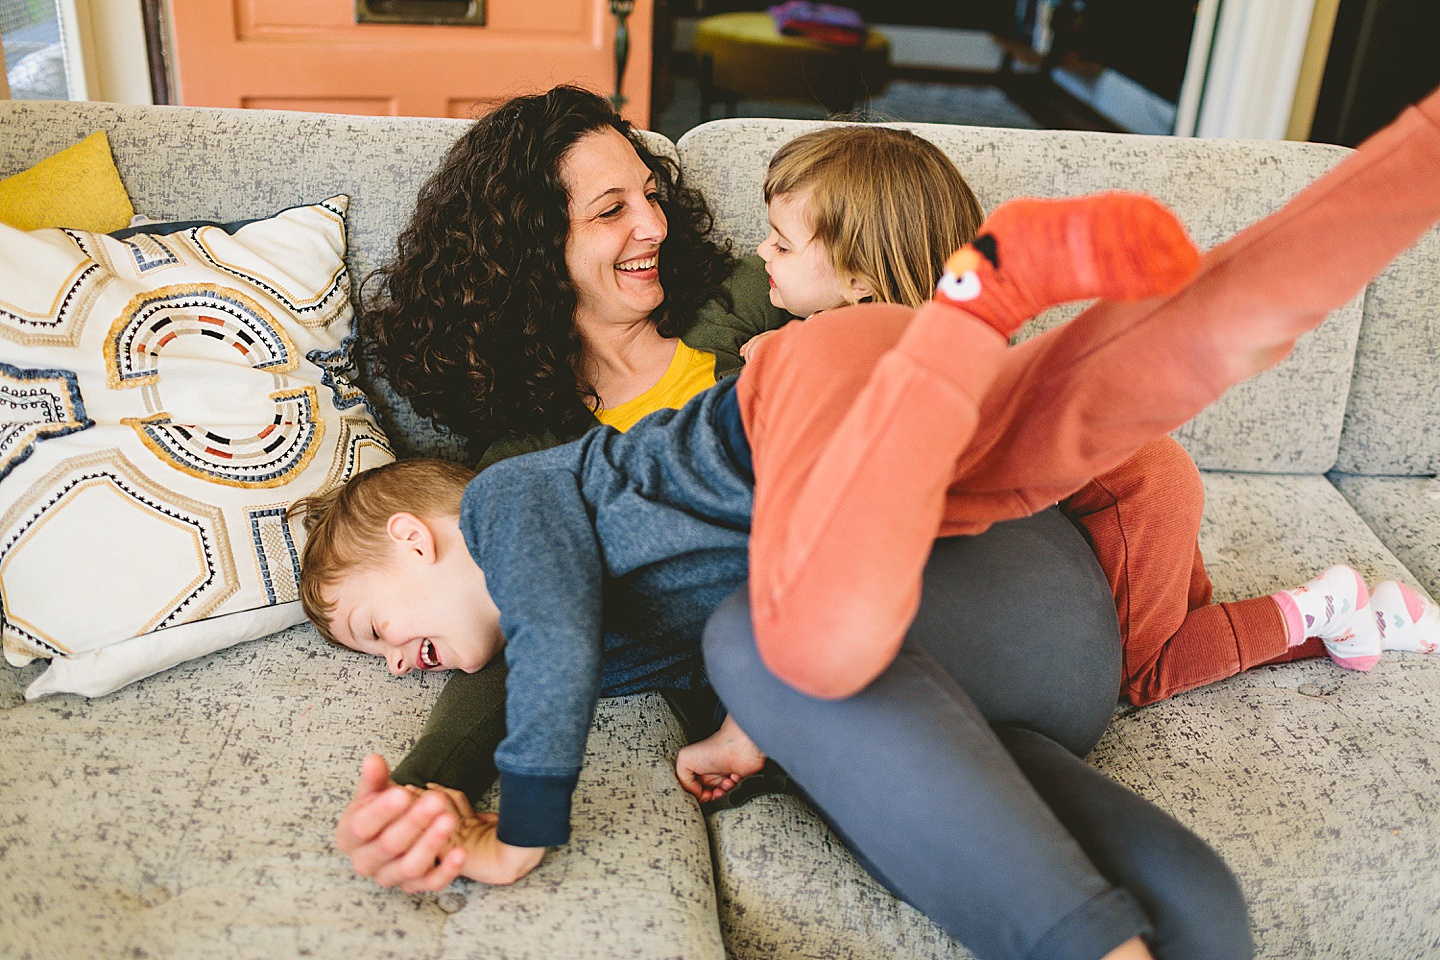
(870, 214)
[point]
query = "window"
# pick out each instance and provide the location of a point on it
(37, 61)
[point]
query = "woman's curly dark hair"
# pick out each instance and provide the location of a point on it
(472, 321)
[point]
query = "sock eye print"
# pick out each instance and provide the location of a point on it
(962, 288)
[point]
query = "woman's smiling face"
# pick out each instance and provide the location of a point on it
(612, 252)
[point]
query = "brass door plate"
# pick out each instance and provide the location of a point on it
(455, 13)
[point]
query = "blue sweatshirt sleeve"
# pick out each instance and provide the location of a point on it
(532, 534)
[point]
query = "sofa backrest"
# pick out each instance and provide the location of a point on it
(203, 163)
(1287, 421)
(1392, 423)
(193, 163)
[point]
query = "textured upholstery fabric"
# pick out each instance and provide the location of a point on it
(1392, 422)
(191, 815)
(1405, 513)
(1316, 784)
(827, 907)
(1315, 787)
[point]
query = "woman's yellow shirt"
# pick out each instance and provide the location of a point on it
(690, 371)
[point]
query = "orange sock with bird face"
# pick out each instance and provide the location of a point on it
(1031, 255)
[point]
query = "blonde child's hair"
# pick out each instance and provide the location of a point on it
(346, 526)
(889, 206)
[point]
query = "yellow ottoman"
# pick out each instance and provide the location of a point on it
(742, 55)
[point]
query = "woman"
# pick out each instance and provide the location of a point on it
(556, 273)
(597, 331)
(487, 330)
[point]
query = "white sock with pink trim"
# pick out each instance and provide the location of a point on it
(1407, 619)
(1335, 607)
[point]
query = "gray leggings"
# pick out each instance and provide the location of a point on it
(970, 744)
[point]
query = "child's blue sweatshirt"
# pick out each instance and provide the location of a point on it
(606, 556)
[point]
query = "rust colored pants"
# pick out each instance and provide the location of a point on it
(874, 429)
(1143, 521)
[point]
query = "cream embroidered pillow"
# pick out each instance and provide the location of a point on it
(164, 396)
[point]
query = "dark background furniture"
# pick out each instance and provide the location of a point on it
(958, 14)
(1382, 57)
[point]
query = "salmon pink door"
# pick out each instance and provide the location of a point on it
(314, 55)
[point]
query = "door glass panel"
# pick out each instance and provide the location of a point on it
(36, 65)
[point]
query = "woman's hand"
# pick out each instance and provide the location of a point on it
(399, 836)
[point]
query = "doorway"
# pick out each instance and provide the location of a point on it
(37, 67)
(1381, 59)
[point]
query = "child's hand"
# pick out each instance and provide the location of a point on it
(487, 858)
(748, 347)
(712, 767)
(397, 836)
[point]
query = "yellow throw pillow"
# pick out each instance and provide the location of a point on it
(78, 188)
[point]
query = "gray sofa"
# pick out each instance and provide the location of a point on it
(190, 814)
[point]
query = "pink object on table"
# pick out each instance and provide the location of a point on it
(825, 22)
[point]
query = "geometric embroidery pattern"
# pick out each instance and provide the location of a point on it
(160, 321)
(359, 446)
(212, 577)
(150, 253)
(36, 405)
(317, 310)
(268, 458)
(276, 553)
(157, 320)
(58, 320)
(337, 368)
(144, 252)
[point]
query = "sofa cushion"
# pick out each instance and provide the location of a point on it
(1286, 421)
(1391, 425)
(168, 394)
(789, 889)
(1317, 787)
(192, 815)
(1263, 533)
(1404, 512)
(1312, 782)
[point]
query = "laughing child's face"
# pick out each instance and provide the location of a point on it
(425, 607)
(803, 280)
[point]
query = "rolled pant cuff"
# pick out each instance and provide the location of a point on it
(1261, 635)
(1094, 929)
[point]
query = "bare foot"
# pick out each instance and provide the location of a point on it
(1132, 949)
(714, 766)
